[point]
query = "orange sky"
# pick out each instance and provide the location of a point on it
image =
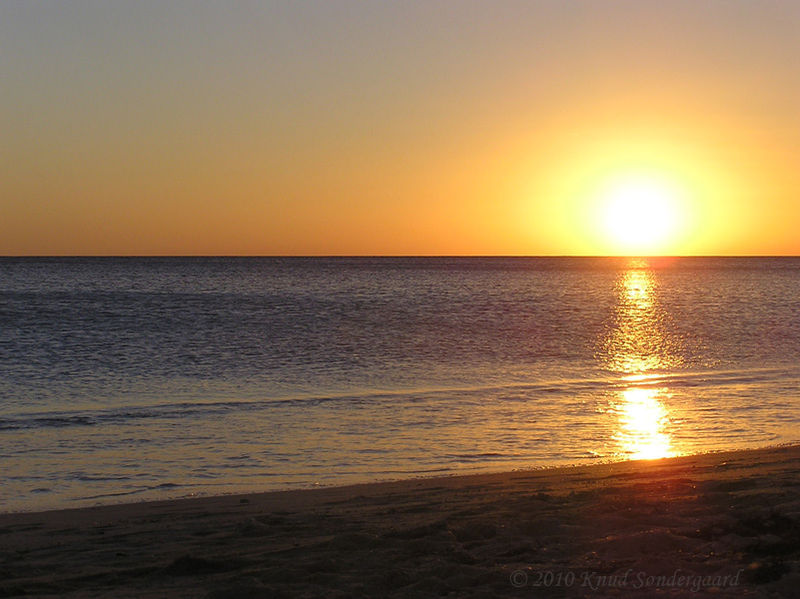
(325, 128)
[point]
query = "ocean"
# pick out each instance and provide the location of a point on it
(128, 379)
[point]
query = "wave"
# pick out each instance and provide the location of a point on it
(510, 392)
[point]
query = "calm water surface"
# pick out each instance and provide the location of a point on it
(128, 379)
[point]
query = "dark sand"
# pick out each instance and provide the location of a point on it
(728, 523)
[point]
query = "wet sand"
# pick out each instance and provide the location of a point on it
(725, 524)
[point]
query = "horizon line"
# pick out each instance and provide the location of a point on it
(630, 256)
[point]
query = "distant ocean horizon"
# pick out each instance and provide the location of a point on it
(134, 378)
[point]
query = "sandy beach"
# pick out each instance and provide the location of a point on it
(726, 524)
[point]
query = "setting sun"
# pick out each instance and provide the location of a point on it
(641, 213)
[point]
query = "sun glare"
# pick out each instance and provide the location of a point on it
(640, 214)
(643, 434)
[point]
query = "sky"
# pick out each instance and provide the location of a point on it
(400, 128)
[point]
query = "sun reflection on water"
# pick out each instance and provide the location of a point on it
(644, 424)
(638, 349)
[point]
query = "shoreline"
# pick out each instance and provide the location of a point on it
(345, 487)
(561, 532)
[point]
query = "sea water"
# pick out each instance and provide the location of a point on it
(123, 379)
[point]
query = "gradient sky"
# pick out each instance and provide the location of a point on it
(338, 127)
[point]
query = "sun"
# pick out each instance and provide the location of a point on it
(640, 213)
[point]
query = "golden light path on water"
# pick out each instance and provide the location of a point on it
(643, 432)
(637, 346)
